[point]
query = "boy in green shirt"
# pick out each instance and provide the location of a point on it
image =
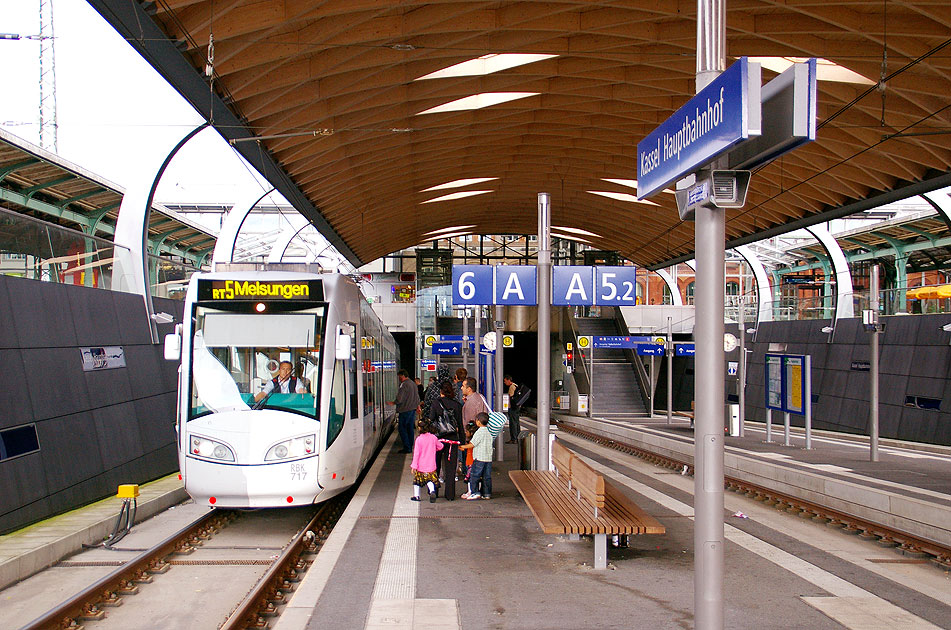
(481, 460)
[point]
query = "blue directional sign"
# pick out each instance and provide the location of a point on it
(708, 125)
(616, 286)
(685, 350)
(447, 347)
(472, 284)
(650, 349)
(515, 285)
(572, 285)
(615, 341)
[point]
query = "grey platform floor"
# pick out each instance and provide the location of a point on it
(486, 564)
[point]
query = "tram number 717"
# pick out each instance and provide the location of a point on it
(298, 472)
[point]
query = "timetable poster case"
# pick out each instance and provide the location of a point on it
(785, 383)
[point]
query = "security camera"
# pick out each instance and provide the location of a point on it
(827, 329)
(946, 328)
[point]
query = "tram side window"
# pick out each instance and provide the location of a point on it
(338, 401)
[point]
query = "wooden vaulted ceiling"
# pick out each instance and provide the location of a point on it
(329, 88)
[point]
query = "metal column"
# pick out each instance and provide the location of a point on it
(544, 330)
(499, 326)
(708, 434)
(670, 370)
(873, 367)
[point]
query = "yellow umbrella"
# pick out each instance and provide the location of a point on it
(944, 291)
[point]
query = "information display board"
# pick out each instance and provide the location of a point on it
(786, 383)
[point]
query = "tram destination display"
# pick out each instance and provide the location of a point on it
(259, 290)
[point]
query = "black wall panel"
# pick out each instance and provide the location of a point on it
(96, 429)
(14, 395)
(41, 313)
(56, 381)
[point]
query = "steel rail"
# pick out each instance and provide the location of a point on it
(86, 604)
(885, 535)
(280, 578)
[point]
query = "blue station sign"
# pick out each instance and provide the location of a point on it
(685, 350)
(709, 124)
(650, 349)
(593, 286)
(447, 347)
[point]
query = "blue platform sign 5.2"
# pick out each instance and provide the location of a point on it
(707, 125)
(616, 286)
(572, 285)
(515, 285)
(472, 284)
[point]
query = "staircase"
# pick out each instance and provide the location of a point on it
(615, 392)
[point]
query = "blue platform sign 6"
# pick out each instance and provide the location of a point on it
(616, 286)
(515, 285)
(706, 126)
(472, 284)
(572, 285)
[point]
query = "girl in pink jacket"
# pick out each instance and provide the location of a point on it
(424, 461)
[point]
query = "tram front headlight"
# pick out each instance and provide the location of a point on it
(290, 449)
(211, 449)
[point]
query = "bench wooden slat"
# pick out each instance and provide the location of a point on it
(589, 482)
(561, 458)
(550, 523)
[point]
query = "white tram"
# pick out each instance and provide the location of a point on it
(241, 441)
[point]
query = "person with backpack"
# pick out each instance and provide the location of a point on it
(517, 398)
(445, 416)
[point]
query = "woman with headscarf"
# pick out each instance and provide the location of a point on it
(432, 392)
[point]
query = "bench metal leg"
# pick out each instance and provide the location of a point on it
(600, 551)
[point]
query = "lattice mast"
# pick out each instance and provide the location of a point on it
(48, 125)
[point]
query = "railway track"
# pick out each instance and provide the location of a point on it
(262, 602)
(885, 536)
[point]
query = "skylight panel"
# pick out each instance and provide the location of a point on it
(478, 101)
(455, 228)
(571, 230)
(621, 197)
(486, 64)
(457, 195)
(631, 183)
(459, 183)
(825, 70)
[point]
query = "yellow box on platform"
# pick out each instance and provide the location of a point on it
(128, 491)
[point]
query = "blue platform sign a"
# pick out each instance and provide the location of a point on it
(616, 286)
(472, 284)
(706, 126)
(572, 285)
(515, 285)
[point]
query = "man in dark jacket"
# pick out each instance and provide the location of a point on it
(407, 401)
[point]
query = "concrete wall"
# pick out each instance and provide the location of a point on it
(96, 429)
(915, 359)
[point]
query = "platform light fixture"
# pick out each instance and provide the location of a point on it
(486, 64)
(477, 101)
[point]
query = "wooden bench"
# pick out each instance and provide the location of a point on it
(575, 499)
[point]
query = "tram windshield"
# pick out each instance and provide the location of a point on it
(239, 361)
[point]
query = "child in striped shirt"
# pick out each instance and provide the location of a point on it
(481, 470)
